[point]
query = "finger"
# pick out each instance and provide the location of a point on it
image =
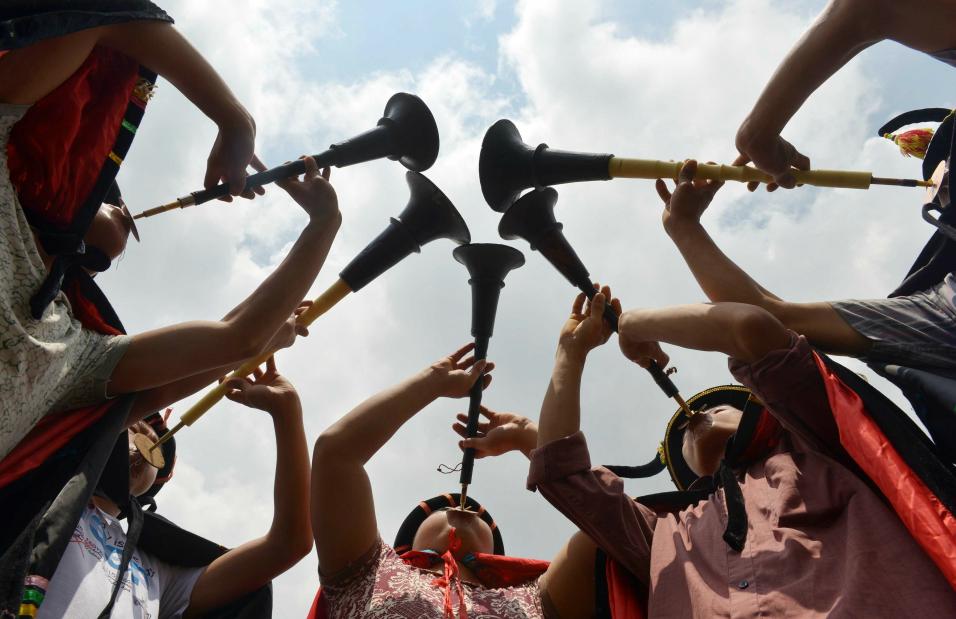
(485, 381)
(616, 306)
(467, 363)
(237, 180)
(327, 173)
(741, 159)
(460, 430)
(271, 365)
(661, 188)
(687, 171)
(772, 187)
(597, 306)
(257, 164)
(489, 366)
(578, 304)
(302, 331)
(487, 412)
(752, 186)
(785, 180)
(478, 367)
(461, 352)
(800, 161)
(257, 373)
(311, 168)
(304, 306)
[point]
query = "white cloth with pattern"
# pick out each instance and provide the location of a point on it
(49, 364)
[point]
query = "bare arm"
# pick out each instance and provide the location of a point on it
(843, 29)
(722, 280)
(289, 539)
(343, 511)
(159, 46)
(743, 332)
(168, 354)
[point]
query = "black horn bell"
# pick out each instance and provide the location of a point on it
(428, 216)
(507, 166)
(487, 264)
(532, 218)
(406, 132)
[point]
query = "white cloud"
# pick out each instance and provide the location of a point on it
(583, 84)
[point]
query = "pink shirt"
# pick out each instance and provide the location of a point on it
(820, 541)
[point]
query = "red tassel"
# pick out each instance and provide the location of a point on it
(912, 143)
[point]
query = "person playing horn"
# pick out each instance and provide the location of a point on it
(916, 330)
(842, 30)
(170, 584)
(772, 517)
(59, 365)
(446, 561)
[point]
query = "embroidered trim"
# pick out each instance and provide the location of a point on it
(116, 158)
(128, 126)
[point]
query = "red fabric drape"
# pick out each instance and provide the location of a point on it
(928, 520)
(56, 151)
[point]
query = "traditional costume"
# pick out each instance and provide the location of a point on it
(60, 337)
(795, 522)
(398, 582)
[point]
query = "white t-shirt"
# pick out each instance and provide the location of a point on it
(83, 581)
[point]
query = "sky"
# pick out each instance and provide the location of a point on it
(653, 78)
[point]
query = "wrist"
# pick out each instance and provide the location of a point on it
(680, 228)
(528, 439)
(232, 116)
(284, 406)
(570, 355)
(428, 383)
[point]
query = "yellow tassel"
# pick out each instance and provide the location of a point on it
(912, 143)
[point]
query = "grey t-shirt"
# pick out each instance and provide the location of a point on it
(83, 581)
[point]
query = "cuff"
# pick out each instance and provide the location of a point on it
(778, 372)
(559, 459)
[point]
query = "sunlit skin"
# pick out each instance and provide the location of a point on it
(705, 438)
(474, 533)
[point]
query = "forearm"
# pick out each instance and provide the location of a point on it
(841, 31)
(561, 409)
(738, 330)
(718, 276)
(357, 436)
(159, 46)
(259, 316)
(158, 398)
(291, 530)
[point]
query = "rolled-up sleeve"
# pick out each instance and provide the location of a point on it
(594, 500)
(788, 382)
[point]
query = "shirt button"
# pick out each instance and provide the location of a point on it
(743, 584)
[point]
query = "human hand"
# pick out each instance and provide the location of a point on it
(690, 199)
(453, 378)
(266, 390)
(313, 193)
(586, 328)
(232, 152)
(640, 351)
(773, 155)
(503, 432)
(289, 330)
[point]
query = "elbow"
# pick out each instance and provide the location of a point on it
(756, 332)
(287, 548)
(327, 450)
